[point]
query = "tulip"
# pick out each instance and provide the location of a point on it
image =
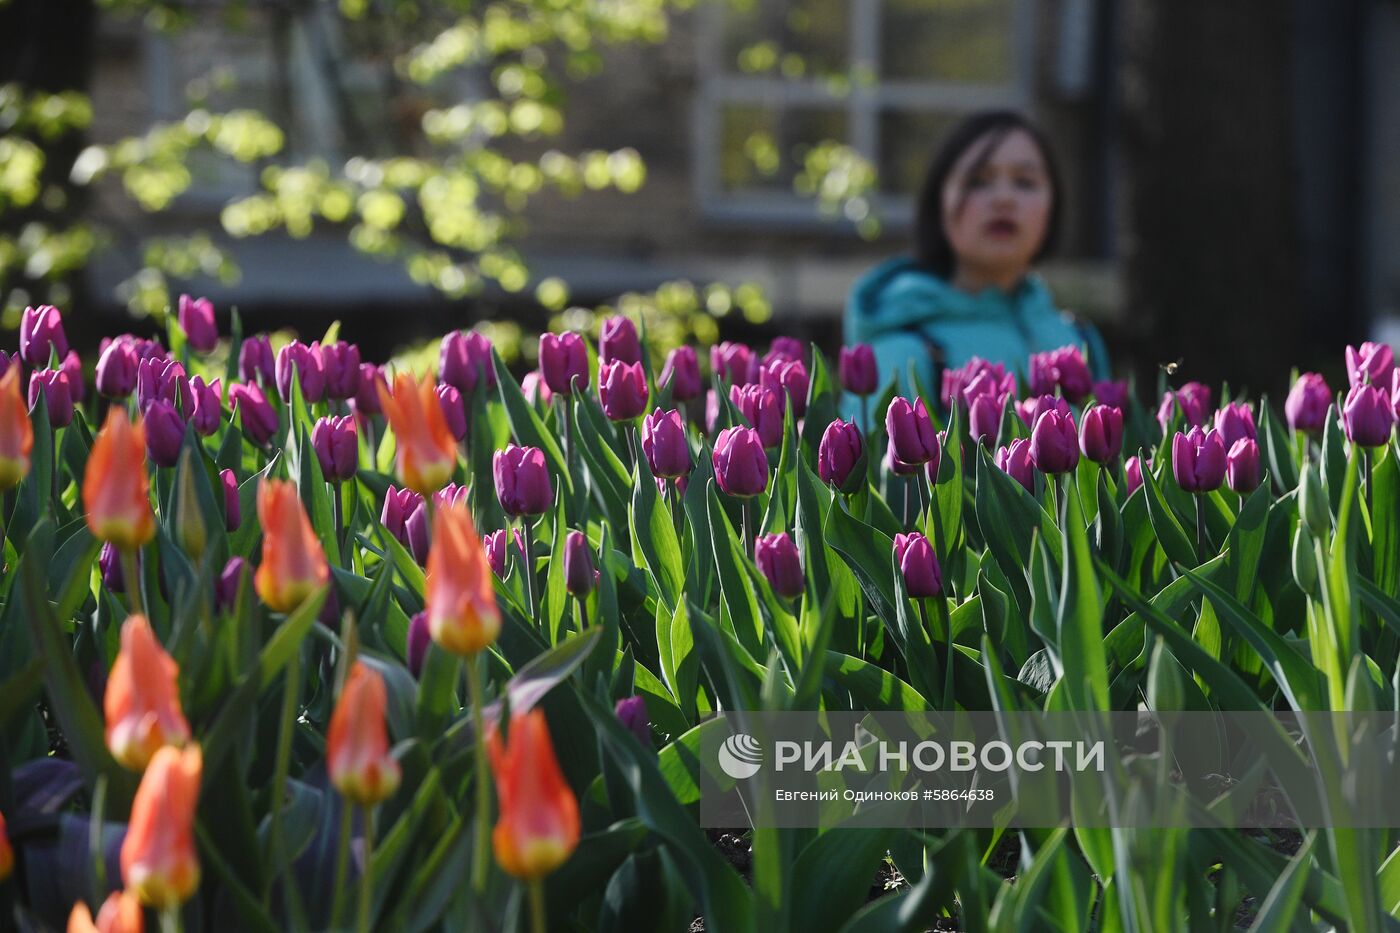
(296, 357)
(1194, 399)
(522, 480)
(1132, 474)
(109, 562)
(535, 389)
(1242, 465)
(259, 418)
(1198, 460)
(785, 348)
(622, 389)
(618, 342)
(454, 413)
(1055, 444)
(664, 444)
(418, 640)
(120, 913)
(357, 741)
(1063, 368)
(1101, 433)
(762, 409)
(337, 447)
(1015, 461)
(918, 565)
(464, 358)
(910, 430)
(399, 505)
(857, 370)
(367, 393)
(426, 452)
(563, 359)
(208, 411)
(233, 508)
(230, 579)
(842, 449)
(197, 321)
(1307, 403)
(460, 600)
(158, 855)
(340, 362)
(495, 544)
(255, 361)
(116, 499)
(777, 557)
(165, 380)
(16, 431)
(899, 467)
(1234, 421)
(1031, 409)
(579, 576)
(72, 367)
(1112, 393)
(7, 854)
(990, 383)
(539, 824)
(1395, 391)
(53, 385)
(733, 362)
(1367, 416)
(142, 703)
(984, 418)
(116, 369)
(293, 564)
(165, 433)
(1372, 364)
(681, 372)
(711, 410)
(41, 336)
(632, 713)
(741, 466)
(788, 377)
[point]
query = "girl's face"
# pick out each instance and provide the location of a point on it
(996, 216)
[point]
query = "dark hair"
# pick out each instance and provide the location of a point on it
(931, 246)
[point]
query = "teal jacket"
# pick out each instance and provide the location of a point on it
(916, 320)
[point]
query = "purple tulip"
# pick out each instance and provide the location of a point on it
(418, 537)
(1031, 409)
(163, 379)
(451, 496)
(785, 348)
(989, 383)
(208, 406)
(682, 373)
(1367, 416)
(259, 418)
(741, 465)
(1101, 433)
(919, 565)
(622, 389)
(1195, 406)
(711, 410)
(165, 432)
(563, 359)
(535, 389)
(306, 362)
(1234, 421)
(1113, 393)
(762, 409)
(399, 505)
(1015, 461)
(1132, 474)
(777, 557)
(197, 321)
(1063, 368)
(464, 358)
(1395, 391)
(367, 394)
(899, 467)
(788, 377)
(226, 586)
(53, 385)
(1198, 460)
(340, 362)
(233, 508)
(842, 448)
(1055, 444)
(72, 367)
(618, 342)
(337, 447)
(910, 430)
(984, 418)
(664, 444)
(857, 370)
(495, 544)
(632, 713)
(418, 640)
(733, 362)
(110, 563)
(255, 361)
(116, 369)
(1371, 364)
(579, 576)
(522, 480)
(454, 412)
(1308, 403)
(1242, 465)
(41, 335)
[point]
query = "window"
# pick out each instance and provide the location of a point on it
(885, 77)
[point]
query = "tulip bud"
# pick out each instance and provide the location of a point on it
(426, 451)
(1112, 393)
(1303, 560)
(41, 336)
(784, 348)
(535, 389)
(918, 565)
(984, 418)
(190, 530)
(741, 466)
(618, 342)
(632, 713)
(910, 430)
(1234, 421)
(7, 854)
(579, 576)
(454, 412)
(207, 414)
(1063, 368)
(1307, 403)
(419, 535)
(622, 389)
(116, 496)
(711, 410)
(522, 480)
(337, 447)
(120, 913)
(116, 369)
(777, 557)
(164, 380)
(495, 544)
(1198, 460)
(788, 377)
(233, 508)
(1055, 444)
(841, 451)
(1194, 400)
(72, 368)
(399, 505)
(899, 467)
(357, 741)
(53, 385)
(418, 640)
(762, 409)
(857, 370)
(226, 586)
(460, 600)
(664, 444)
(1032, 408)
(1101, 434)
(1367, 416)
(293, 563)
(733, 362)
(1242, 466)
(989, 381)
(258, 417)
(197, 321)
(255, 361)
(16, 430)
(367, 391)
(682, 373)
(340, 362)
(158, 855)
(1132, 474)
(296, 357)
(1371, 365)
(109, 561)
(563, 362)
(1015, 461)
(1312, 503)
(142, 703)
(165, 433)
(539, 824)
(464, 359)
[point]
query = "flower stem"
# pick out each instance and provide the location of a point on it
(170, 920)
(342, 859)
(290, 690)
(131, 576)
(528, 538)
(537, 912)
(482, 816)
(748, 526)
(1200, 529)
(367, 876)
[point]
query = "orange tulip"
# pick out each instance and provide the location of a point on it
(115, 491)
(357, 744)
(539, 825)
(121, 913)
(16, 433)
(142, 703)
(461, 599)
(7, 854)
(158, 860)
(293, 563)
(426, 451)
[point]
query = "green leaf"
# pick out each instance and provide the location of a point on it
(831, 876)
(655, 536)
(1170, 535)
(873, 687)
(1080, 618)
(556, 596)
(532, 681)
(1385, 534)
(737, 594)
(288, 637)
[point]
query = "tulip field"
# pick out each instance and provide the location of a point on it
(290, 640)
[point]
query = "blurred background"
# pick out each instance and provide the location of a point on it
(723, 169)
